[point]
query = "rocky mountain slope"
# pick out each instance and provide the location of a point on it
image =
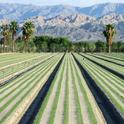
(79, 26)
(73, 22)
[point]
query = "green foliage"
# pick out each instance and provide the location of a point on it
(91, 47)
(29, 43)
(5, 32)
(118, 46)
(100, 46)
(27, 31)
(50, 44)
(20, 44)
(13, 29)
(109, 33)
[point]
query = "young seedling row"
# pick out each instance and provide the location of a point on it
(111, 60)
(115, 67)
(17, 95)
(14, 69)
(69, 99)
(111, 85)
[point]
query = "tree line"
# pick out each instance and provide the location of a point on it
(9, 36)
(62, 44)
(98, 46)
(28, 42)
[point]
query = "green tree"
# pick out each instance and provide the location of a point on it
(63, 44)
(100, 46)
(54, 47)
(41, 43)
(5, 31)
(44, 47)
(50, 44)
(31, 47)
(19, 44)
(28, 31)
(13, 28)
(119, 46)
(86, 47)
(91, 47)
(109, 32)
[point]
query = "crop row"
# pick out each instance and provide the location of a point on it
(16, 57)
(69, 100)
(115, 61)
(17, 95)
(16, 68)
(111, 85)
(116, 56)
(112, 66)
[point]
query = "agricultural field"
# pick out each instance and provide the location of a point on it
(115, 66)
(69, 100)
(13, 64)
(113, 55)
(112, 85)
(17, 95)
(8, 59)
(61, 88)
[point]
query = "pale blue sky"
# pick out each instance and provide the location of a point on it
(65, 2)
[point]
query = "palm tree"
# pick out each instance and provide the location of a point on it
(13, 28)
(5, 31)
(109, 32)
(27, 31)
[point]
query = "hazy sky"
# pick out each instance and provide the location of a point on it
(65, 2)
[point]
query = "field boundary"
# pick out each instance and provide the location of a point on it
(110, 113)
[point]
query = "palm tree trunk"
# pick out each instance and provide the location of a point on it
(15, 46)
(13, 43)
(25, 46)
(4, 43)
(109, 49)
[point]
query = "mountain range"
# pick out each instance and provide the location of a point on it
(77, 23)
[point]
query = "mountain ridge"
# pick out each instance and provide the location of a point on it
(79, 27)
(67, 21)
(20, 12)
